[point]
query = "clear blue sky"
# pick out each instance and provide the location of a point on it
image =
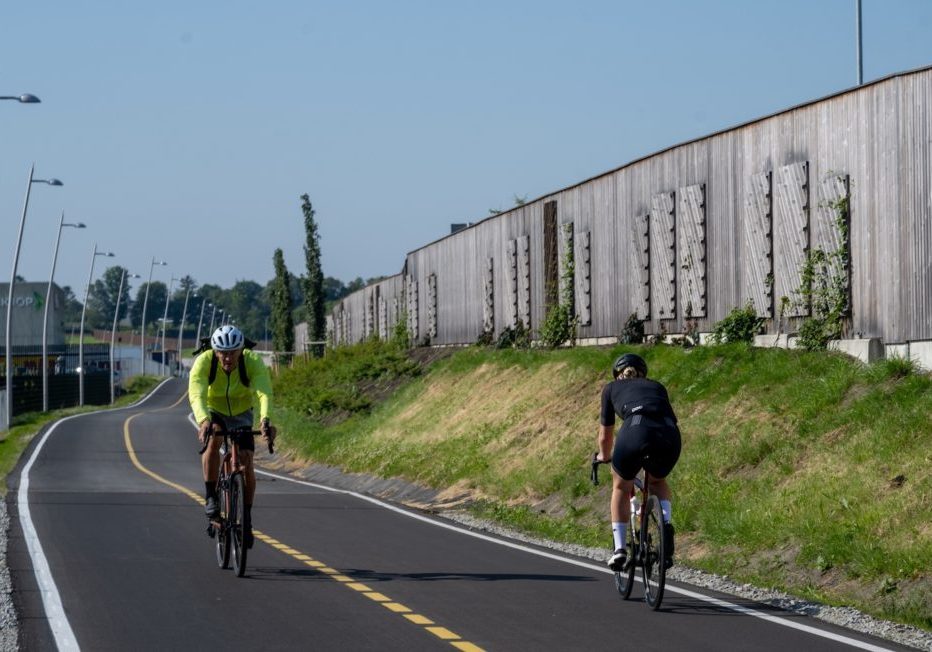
(188, 130)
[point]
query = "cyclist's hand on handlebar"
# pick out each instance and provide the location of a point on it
(203, 431)
(601, 460)
(268, 432)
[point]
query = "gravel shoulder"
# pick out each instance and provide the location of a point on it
(9, 630)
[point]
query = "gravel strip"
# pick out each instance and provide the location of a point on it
(8, 627)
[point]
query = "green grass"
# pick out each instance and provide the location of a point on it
(807, 472)
(26, 426)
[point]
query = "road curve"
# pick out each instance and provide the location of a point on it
(112, 499)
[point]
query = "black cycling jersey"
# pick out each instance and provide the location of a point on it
(631, 396)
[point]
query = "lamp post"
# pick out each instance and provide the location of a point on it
(860, 51)
(200, 322)
(25, 98)
(116, 315)
(168, 298)
(9, 302)
(213, 313)
(142, 325)
(184, 313)
(87, 295)
(45, 316)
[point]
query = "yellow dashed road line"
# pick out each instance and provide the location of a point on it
(428, 625)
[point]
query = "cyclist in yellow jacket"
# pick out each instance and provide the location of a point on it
(224, 401)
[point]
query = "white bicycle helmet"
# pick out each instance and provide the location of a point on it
(227, 338)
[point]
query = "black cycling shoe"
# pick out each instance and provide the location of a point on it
(668, 544)
(248, 539)
(619, 560)
(212, 508)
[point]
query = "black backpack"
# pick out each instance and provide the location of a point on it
(214, 362)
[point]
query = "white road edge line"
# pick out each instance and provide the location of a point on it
(510, 544)
(51, 599)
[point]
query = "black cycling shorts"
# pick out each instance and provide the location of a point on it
(234, 426)
(643, 442)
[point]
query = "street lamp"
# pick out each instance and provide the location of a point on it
(116, 314)
(200, 322)
(87, 295)
(142, 325)
(9, 303)
(25, 98)
(168, 298)
(184, 313)
(45, 317)
(213, 313)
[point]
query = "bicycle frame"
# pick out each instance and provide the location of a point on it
(646, 552)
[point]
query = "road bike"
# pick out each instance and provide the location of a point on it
(645, 541)
(229, 528)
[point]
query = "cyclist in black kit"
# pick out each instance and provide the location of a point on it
(649, 431)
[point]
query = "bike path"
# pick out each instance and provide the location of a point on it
(135, 569)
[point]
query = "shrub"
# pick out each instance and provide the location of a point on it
(740, 325)
(633, 331)
(559, 327)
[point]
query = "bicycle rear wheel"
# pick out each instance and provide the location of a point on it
(223, 532)
(237, 519)
(654, 571)
(624, 581)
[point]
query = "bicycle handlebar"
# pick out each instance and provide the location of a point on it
(594, 474)
(271, 442)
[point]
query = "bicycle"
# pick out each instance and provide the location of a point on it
(228, 528)
(646, 545)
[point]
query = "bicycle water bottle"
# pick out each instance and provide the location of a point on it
(635, 505)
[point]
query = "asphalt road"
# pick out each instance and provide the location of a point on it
(132, 568)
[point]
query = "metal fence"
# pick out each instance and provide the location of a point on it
(63, 382)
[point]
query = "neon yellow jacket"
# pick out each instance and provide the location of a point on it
(227, 395)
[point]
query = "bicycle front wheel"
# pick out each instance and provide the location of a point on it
(624, 581)
(238, 519)
(223, 532)
(654, 569)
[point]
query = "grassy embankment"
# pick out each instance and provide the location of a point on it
(807, 472)
(26, 426)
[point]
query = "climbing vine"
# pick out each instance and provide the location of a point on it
(825, 286)
(559, 326)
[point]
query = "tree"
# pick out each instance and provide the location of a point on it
(71, 310)
(281, 304)
(314, 281)
(103, 298)
(157, 294)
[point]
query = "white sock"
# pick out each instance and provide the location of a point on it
(618, 531)
(667, 510)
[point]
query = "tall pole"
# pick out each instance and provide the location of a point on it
(9, 308)
(142, 325)
(9, 302)
(45, 316)
(116, 314)
(184, 313)
(168, 298)
(860, 53)
(87, 295)
(200, 321)
(213, 313)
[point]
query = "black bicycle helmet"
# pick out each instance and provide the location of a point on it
(629, 360)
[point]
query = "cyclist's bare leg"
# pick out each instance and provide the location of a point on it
(660, 488)
(210, 459)
(621, 490)
(249, 475)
